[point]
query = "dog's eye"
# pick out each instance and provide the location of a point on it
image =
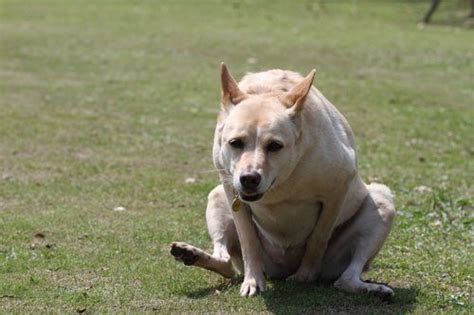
(236, 143)
(274, 146)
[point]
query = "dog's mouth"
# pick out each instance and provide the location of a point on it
(250, 197)
(253, 196)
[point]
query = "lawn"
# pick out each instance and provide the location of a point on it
(108, 104)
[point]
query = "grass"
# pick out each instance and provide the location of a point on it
(113, 103)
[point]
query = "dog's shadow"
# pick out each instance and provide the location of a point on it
(320, 297)
(223, 287)
(284, 297)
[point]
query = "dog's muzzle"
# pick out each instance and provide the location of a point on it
(250, 198)
(249, 183)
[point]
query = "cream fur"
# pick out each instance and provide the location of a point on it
(316, 217)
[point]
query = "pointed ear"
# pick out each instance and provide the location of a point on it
(230, 91)
(295, 98)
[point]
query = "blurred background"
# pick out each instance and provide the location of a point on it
(107, 113)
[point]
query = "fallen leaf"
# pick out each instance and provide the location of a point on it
(252, 60)
(190, 180)
(423, 189)
(50, 245)
(39, 235)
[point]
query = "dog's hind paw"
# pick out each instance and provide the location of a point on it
(185, 253)
(304, 275)
(382, 291)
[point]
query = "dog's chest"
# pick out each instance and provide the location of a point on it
(286, 224)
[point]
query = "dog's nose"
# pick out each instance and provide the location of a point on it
(250, 181)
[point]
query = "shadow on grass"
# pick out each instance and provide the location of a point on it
(284, 297)
(467, 22)
(205, 292)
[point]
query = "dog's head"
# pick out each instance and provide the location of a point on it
(258, 135)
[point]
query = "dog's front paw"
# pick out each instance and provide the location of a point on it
(253, 285)
(304, 274)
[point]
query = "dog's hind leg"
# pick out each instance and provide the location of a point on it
(222, 230)
(360, 241)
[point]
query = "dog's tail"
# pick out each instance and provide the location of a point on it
(383, 198)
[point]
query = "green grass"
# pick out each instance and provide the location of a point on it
(113, 103)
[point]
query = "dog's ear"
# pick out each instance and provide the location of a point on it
(230, 92)
(295, 98)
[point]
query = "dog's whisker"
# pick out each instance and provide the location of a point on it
(227, 181)
(210, 171)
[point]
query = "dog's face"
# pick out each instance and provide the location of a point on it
(258, 137)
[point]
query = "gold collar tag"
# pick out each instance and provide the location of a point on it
(236, 204)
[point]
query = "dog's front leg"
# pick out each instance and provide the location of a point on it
(317, 242)
(254, 279)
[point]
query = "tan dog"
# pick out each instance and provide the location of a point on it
(288, 168)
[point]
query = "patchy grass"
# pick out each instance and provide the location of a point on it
(113, 103)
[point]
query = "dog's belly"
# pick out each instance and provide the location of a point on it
(280, 262)
(283, 230)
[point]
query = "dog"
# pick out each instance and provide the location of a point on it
(291, 203)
